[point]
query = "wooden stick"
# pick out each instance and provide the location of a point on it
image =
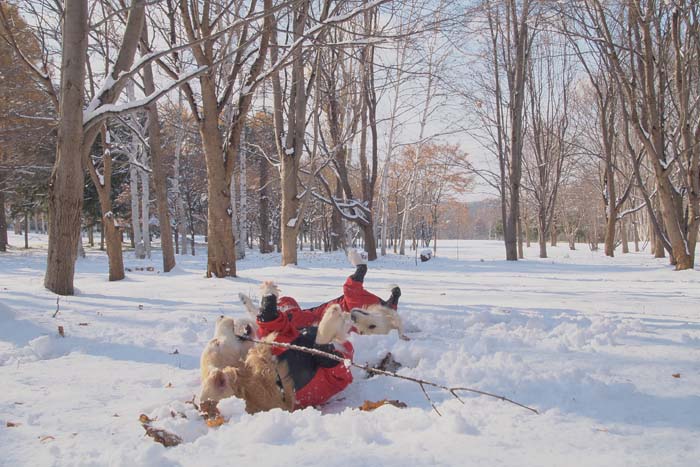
(422, 383)
(56, 312)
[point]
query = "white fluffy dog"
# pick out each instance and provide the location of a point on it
(226, 348)
(377, 319)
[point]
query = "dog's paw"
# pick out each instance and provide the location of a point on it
(355, 257)
(269, 288)
(332, 326)
(248, 304)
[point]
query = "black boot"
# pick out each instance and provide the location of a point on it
(359, 274)
(393, 300)
(268, 309)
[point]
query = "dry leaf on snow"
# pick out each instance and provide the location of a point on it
(368, 406)
(163, 437)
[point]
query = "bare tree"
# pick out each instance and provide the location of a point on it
(549, 91)
(66, 182)
(200, 23)
(642, 42)
(500, 106)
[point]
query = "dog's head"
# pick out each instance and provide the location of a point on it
(230, 328)
(218, 385)
(376, 319)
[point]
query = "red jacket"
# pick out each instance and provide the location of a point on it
(327, 381)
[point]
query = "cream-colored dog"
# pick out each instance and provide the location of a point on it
(255, 382)
(377, 319)
(227, 349)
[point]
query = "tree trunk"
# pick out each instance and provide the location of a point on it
(623, 237)
(672, 222)
(91, 235)
(221, 251)
(337, 233)
(659, 249)
(112, 235)
(26, 230)
(290, 209)
(265, 243)
(65, 198)
(136, 235)
(611, 212)
(370, 240)
(242, 201)
(527, 233)
(542, 237)
(404, 221)
(81, 250)
(3, 221)
(181, 220)
(160, 177)
(521, 253)
(145, 212)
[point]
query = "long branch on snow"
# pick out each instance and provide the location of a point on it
(421, 382)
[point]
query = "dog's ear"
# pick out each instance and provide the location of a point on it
(218, 378)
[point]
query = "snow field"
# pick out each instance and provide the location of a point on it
(591, 342)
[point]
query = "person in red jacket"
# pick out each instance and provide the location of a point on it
(354, 296)
(316, 378)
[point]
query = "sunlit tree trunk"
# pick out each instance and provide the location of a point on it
(65, 198)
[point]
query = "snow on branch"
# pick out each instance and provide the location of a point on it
(99, 114)
(352, 210)
(630, 211)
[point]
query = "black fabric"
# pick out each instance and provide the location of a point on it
(359, 274)
(268, 309)
(326, 362)
(302, 365)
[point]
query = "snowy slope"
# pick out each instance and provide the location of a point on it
(591, 342)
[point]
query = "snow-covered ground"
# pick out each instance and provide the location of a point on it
(592, 342)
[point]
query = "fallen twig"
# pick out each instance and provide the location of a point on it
(56, 312)
(422, 383)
